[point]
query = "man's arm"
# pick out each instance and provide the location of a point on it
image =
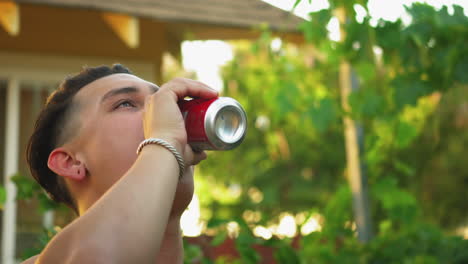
(172, 247)
(128, 223)
(171, 251)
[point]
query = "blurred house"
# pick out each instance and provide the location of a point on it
(42, 41)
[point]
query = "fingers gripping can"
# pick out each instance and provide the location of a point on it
(214, 124)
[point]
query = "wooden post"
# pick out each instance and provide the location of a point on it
(353, 163)
(11, 168)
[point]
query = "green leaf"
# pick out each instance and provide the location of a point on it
(26, 187)
(324, 114)
(461, 69)
(299, 1)
(285, 104)
(192, 252)
(399, 204)
(216, 222)
(421, 12)
(404, 168)
(45, 203)
(2, 196)
(244, 244)
(366, 103)
(270, 195)
(286, 254)
(389, 37)
(408, 90)
(219, 238)
(405, 134)
(296, 3)
(315, 30)
(205, 261)
(366, 71)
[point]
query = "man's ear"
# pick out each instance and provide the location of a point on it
(65, 164)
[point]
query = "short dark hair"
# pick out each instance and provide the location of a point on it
(50, 126)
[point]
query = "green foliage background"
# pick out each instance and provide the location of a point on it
(410, 108)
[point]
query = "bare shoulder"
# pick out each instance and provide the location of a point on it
(30, 260)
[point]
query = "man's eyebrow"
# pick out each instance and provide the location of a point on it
(123, 90)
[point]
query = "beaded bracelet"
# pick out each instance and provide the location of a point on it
(169, 147)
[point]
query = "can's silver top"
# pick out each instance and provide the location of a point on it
(225, 123)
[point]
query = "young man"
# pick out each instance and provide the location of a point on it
(83, 153)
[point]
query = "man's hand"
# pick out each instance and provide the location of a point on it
(163, 119)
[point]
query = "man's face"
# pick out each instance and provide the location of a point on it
(110, 117)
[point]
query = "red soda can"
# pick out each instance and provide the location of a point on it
(214, 124)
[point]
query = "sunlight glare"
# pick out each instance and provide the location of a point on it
(287, 226)
(205, 58)
(334, 29)
(312, 225)
(233, 229)
(263, 232)
(190, 220)
(255, 195)
(361, 12)
(303, 8)
(463, 232)
(276, 44)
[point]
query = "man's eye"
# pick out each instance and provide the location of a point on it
(125, 104)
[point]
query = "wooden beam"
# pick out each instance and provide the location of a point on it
(10, 17)
(126, 27)
(194, 31)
